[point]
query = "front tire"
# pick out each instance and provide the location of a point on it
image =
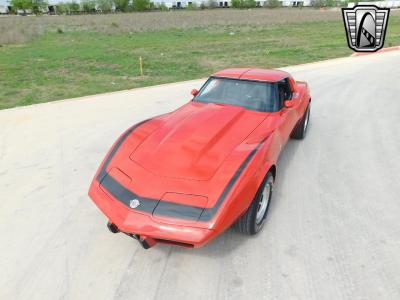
(254, 218)
(300, 131)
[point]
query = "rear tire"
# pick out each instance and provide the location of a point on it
(300, 131)
(254, 218)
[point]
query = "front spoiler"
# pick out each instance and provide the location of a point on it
(143, 227)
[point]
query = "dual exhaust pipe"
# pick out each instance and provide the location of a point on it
(145, 241)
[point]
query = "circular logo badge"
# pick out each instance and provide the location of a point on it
(134, 203)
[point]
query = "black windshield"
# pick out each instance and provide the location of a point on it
(254, 95)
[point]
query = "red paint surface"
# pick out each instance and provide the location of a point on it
(189, 156)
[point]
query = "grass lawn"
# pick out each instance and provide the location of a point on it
(75, 63)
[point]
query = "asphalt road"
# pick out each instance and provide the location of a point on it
(333, 230)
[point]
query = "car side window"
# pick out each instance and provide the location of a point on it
(284, 91)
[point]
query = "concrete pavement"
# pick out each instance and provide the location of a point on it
(333, 230)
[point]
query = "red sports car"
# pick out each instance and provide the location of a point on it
(184, 177)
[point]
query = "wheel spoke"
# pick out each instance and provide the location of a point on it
(263, 203)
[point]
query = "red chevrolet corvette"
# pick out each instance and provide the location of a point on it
(184, 177)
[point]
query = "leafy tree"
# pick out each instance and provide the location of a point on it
(330, 3)
(324, 3)
(317, 3)
(344, 3)
(249, 3)
(236, 3)
(192, 6)
(162, 7)
(141, 5)
(21, 4)
(88, 5)
(73, 7)
(105, 5)
(62, 8)
(35, 5)
(121, 5)
(38, 6)
(272, 3)
(243, 3)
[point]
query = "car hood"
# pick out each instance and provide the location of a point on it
(192, 142)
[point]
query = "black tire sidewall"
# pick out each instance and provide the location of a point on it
(299, 131)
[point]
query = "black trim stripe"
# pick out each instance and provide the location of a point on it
(175, 210)
(164, 208)
(149, 205)
(208, 213)
(103, 170)
(124, 195)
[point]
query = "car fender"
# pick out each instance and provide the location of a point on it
(245, 189)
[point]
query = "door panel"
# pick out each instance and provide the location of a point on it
(288, 116)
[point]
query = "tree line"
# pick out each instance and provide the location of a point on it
(106, 6)
(85, 6)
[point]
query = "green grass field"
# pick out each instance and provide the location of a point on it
(75, 63)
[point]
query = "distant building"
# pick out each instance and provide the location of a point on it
(4, 7)
(224, 3)
(382, 4)
(296, 3)
(182, 3)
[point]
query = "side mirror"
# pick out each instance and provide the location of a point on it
(194, 92)
(288, 103)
